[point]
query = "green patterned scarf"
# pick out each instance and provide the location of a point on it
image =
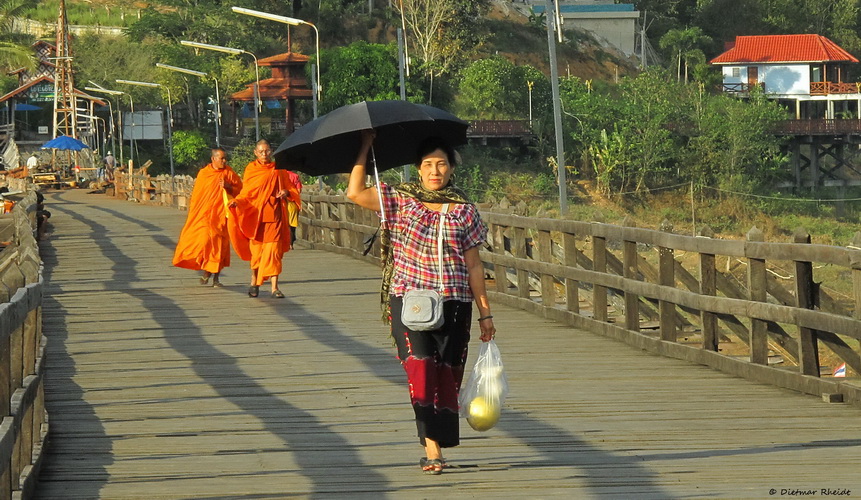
(448, 194)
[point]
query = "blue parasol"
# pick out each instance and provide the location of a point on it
(26, 107)
(66, 143)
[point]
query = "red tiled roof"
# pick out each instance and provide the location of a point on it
(284, 59)
(273, 88)
(782, 49)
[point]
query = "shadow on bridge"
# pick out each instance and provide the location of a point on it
(213, 366)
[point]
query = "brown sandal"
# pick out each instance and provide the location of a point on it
(433, 467)
(253, 291)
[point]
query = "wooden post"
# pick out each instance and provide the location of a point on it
(629, 262)
(500, 272)
(548, 283)
(856, 279)
(708, 286)
(599, 264)
(805, 290)
(667, 277)
(572, 287)
(518, 249)
(756, 279)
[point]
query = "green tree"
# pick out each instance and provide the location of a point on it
(486, 88)
(14, 53)
(730, 144)
(189, 149)
(686, 46)
(361, 71)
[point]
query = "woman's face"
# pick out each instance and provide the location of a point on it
(435, 170)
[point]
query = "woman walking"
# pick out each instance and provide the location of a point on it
(433, 360)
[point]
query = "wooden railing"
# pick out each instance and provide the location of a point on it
(826, 88)
(24, 424)
(760, 310)
(771, 312)
(162, 190)
(819, 127)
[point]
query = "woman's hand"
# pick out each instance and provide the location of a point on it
(488, 331)
(357, 191)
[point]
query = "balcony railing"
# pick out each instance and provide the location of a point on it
(827, 88)
(816, 88)
(818, 127)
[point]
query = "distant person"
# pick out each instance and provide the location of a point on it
(293, 208)
(110, 164)
(32, 162)
(204, 244)
(262, 215)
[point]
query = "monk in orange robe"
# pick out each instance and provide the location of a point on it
(262, 218)
(204, 243)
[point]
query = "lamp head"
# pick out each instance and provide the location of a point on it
(206, 46)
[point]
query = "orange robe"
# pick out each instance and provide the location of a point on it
(260, 230)
(204, 243)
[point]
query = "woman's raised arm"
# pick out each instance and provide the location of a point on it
(357, 191)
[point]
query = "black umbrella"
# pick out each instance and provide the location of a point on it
(330, 143)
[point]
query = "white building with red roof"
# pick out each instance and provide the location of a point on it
(804, 70)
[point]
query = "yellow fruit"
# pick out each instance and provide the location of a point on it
(482, 414)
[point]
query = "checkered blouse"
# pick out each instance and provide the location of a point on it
(414, 245)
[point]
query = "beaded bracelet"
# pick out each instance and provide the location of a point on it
(489, 316)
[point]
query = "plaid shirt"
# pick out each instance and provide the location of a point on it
(414, 245)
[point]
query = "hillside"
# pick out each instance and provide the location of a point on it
(506, 29)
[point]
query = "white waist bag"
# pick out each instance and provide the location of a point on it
(422, 309)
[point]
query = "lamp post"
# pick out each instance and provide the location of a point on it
(557, 105)
(201, 74)
(530, 84)
(292, 21)
(169, 116)
(231, 50)
(111, 114)
(99, 88)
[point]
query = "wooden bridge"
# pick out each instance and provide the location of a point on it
(157, 387)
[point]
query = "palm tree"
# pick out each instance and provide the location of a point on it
(686, 46)
(12, 53)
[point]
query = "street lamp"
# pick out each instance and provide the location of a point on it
(201, 74)
(231, 50)
(98, 88)
(292, 21)
(169, 115)
(111, 114)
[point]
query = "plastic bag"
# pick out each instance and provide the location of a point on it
(482, 397)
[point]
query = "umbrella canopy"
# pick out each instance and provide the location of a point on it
(66, 143)
(330, 143)
(26, 107)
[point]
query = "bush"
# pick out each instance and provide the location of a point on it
(190, 150)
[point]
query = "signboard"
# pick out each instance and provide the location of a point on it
(43, 92)
(147, 126)
(43, 129)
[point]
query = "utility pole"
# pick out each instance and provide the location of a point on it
(557, 106)
(643, 42)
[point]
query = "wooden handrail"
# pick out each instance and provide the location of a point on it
(627, 283)
(544, 266)
(23, 419)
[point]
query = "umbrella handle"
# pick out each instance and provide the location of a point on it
(379, 190)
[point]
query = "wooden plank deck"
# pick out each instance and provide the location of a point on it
(160, 388)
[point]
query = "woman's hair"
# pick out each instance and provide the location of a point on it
(430, 145)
